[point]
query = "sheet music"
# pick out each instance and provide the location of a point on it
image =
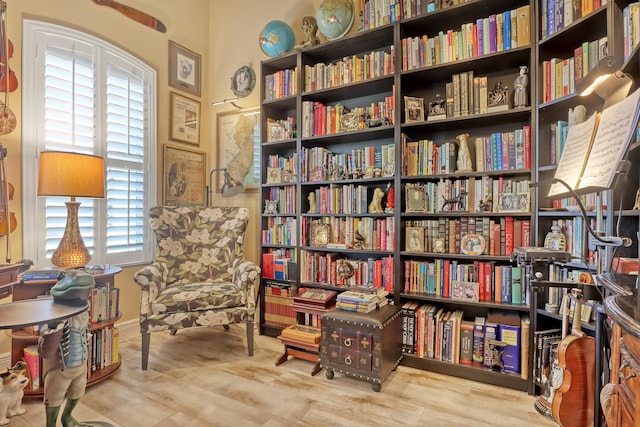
(574, 155)
(617, 126)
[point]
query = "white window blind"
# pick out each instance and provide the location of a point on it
(90, 97)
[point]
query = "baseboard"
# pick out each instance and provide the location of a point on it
(128, 330)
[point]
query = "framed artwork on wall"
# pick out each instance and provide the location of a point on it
(183, 178)
(238, 138)
(185, 119)
(184, 69)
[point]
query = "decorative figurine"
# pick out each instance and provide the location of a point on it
(309, 27)
(485, 204)
(389, 208)
(498, 98)
(464, 163)
(521, 88)
(555, 239)
(457, 200)
(312, 203)
(63, 347)
(376, 201)
(12, 384)
(437, 106)
(577, 114)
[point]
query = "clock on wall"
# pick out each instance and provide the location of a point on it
(243, 81)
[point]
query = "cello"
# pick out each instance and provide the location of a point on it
(573, 400)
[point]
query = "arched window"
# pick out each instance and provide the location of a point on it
(85, 95)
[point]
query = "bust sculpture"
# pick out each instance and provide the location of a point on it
(309, 28)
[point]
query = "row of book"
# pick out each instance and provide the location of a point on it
(277, 304)
(464, 95)
(350, 69)
(286, 198)
(374, 13)
(330, 269)
(483, 281)
(350, 232)
(500, 151)
(281, 84)
(631, 28)
(320, 163)
(446, 235)
(280, 231)
(277, 266)
(286, 129)
(103, 350)
(561, 75)
(499, 341)
(558, 14)
(557, 136)
(103, 302)
(494, 33)
(319, 119)
(486, 194)
(343, 199)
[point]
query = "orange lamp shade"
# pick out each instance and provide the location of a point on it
(70, 174)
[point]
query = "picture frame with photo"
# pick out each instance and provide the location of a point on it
(514, 202)
(413, 109)
(416, 199)
(185, 119)
(276, 132)
(320, 235)
(184, 176)
(184, 69)
(414, 239)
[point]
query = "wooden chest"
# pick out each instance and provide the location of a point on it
(366, 346)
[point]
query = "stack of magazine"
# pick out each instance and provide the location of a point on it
(362, 300)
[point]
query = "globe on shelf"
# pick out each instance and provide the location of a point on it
(335, 18)
(276, 39)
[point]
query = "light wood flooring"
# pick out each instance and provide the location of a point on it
(203, 377)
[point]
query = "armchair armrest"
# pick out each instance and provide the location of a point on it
(247, 273)
(152, 278)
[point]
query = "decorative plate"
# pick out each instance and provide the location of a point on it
(243, 81)
(472, 244)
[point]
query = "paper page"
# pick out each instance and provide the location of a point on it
(574, 155)
(617, 126)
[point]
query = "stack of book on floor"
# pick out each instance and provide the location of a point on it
(362, 300)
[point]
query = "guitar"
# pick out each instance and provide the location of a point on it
(573, 400)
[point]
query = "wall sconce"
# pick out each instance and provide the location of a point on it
(65, 174)
(230, 188)
(607, 81)
(231, 101)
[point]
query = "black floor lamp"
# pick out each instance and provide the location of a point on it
(231, 187)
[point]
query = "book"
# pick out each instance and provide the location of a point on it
(593, 149)
(41, 274)
(510, 335)
(478, 341)
(525, 330)
(490, 334)
(466, 342)
(320, 298)
(32, 358)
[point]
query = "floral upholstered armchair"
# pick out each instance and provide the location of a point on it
(199, 276)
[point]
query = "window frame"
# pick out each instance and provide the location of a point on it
(34, 222)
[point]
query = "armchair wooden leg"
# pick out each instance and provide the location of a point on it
(146, 338)
(250, 337)
(226, 327)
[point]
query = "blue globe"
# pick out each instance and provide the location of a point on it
(276, 39)
(335, 18)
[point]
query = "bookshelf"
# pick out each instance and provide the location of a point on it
(21, 338)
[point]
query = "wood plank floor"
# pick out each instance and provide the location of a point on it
(203, 377)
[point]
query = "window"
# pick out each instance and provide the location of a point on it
(85, 95)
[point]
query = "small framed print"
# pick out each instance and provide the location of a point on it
(466, 291)
(270, 207)
(388, 169)
(513, 202)
(472, 244)
(320, 235)
(413, 109)
(438, 245)
(275, 132)
(184, 69)
(416, 199)
(274, 175)
(414, 239)
(185, 119)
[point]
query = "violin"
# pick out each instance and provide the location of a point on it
(7, 188)
(8, 79)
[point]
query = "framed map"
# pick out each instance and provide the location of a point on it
(239, 147)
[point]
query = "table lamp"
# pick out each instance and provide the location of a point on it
(65, 174)
(230, 188)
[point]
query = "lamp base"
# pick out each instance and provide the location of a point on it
(71, 252)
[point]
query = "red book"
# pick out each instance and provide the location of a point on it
(577, 66)
(508, 236)
(446, 282)
(517, 233)
(481, 282)
(526, 232)
(267, 265)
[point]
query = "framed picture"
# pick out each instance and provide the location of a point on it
(465, 291)
(275, 132)
(183, 177)
(274, 175)
(413, 109)
(472, 244)
(513, 202)
(416, 199)
(414, 239)
(238, 141)
(185, 119)
(320, 235)
(184, 69)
